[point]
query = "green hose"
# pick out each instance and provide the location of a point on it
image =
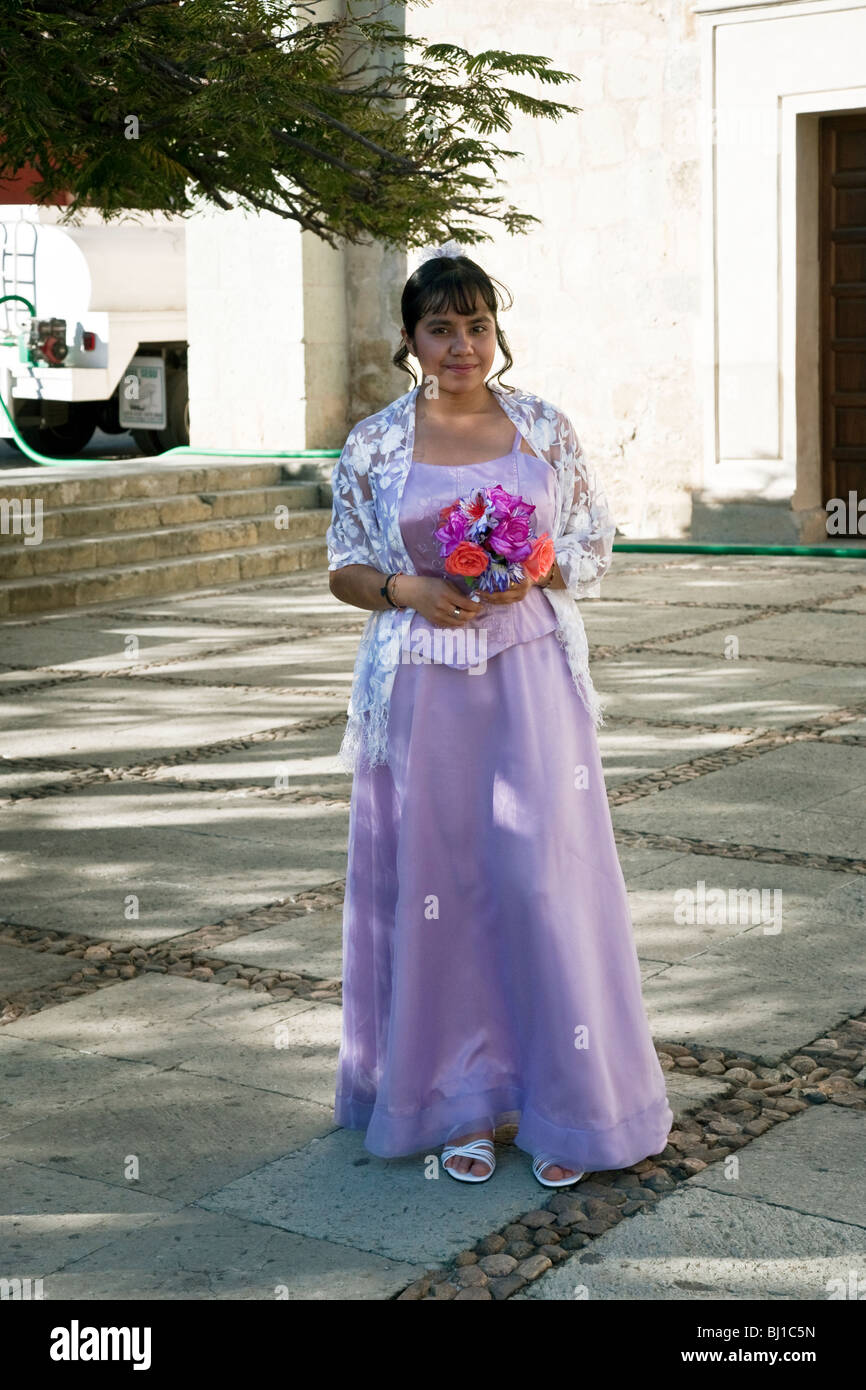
(741, 548)
(648, 547)
(186, 449)
(5, 297)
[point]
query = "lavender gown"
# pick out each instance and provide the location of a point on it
(490, 973)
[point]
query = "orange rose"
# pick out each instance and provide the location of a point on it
(446, 511)
(467, 559)
(540, 557)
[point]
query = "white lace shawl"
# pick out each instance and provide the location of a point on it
(368, 480)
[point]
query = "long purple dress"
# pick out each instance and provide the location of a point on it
(490, 972)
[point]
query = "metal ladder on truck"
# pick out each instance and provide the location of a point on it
(12, 279)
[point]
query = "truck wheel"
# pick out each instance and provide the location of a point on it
(64, 441)
(147, 441)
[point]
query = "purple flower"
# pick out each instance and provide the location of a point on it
(511, 538)
(452, 531)
(507, 504)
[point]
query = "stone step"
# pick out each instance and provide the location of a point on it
(150, 513)
(748, 521)
(160, 578)
(125, 480)
(60, 557)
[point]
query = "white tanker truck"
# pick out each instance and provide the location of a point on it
(93, 330)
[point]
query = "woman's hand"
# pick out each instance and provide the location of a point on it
(435, 599)
(513, 594)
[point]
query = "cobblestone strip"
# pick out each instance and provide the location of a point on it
(681, 844)
(301, 691)
(759, 742)
(91, 775)
(657, 644)
(31, 687)
(345, 623)
(106, 963)
(133, 669)
(830, 1070)
(763, 741)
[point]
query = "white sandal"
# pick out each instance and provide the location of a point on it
(477, 1149)
(541, 1161)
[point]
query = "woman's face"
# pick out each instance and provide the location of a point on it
(457, 349)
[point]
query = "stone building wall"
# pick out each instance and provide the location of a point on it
(607, 289)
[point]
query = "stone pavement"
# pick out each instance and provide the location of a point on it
(173, 857)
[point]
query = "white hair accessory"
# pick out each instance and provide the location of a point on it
(450, 248)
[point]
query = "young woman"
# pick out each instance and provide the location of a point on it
(490, 973)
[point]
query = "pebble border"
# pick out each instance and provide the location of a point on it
(507, 1260)
(191, 955)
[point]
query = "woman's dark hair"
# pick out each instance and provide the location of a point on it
(452, 282)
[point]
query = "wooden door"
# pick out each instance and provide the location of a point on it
(842, 253)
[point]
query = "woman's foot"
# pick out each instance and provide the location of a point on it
(550, 1173)
(462, 1163)
(553, 1173)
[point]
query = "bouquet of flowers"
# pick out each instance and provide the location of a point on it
(488, 538)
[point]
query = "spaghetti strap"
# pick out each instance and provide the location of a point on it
(515, 448)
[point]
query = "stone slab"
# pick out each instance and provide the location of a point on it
(23, 968)
(815, 1164)
(701, 1245)
(40, 1078)
(297, 599)
(293, 1056)
(855, 728)
(156, 1019)
(51, 1219)
(335, 1190)
(763, 994)
(637, 861)
(701, 690)
(749, 803)
(800, 895)
(78, 643)
(161, 844)
(632, 750)
(309, 945)
(651, 967)
(121, 723)
(621, 621)
(714, 585)
(855, 604)
(687, 1094)
(188, 1134)
(305, 763)
(841, 635)
(191, 1254)
(326, 660)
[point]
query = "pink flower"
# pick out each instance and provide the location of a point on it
(511, 538)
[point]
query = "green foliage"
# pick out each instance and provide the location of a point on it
(349, 127)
